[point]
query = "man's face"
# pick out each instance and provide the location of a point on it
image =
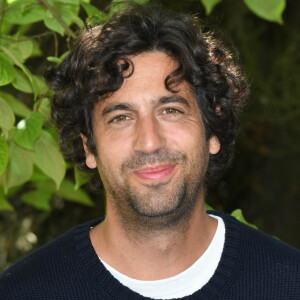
(152, 152)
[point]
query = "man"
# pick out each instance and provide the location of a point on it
(151, 104)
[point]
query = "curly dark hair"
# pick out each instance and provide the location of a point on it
(97, 65)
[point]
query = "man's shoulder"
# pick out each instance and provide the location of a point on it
(260, 243)
(269, 264)
(48, 264)
(257, 242)
(261, 261)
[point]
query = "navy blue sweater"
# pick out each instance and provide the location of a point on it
(253, 266)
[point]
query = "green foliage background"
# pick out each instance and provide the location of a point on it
(41, 195)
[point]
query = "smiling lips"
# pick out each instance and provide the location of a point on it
(155, 173)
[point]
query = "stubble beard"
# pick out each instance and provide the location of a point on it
(160, 206)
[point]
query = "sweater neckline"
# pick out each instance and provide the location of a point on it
(104, 283)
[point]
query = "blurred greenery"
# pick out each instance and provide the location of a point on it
(41, 196)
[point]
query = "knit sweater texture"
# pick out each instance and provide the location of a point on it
(253, 266)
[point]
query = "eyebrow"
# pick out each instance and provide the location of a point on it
(162, 100)
(174, 99)
(112, 108)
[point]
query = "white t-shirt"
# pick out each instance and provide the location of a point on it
(184, 283)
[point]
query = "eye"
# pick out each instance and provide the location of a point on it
(171, 111)
(119, 119)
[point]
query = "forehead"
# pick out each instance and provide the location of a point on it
(147, 83)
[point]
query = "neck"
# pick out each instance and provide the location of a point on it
(155, 254)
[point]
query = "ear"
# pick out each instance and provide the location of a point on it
(90, 158)
(214, 145)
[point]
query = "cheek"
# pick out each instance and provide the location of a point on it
(188, 138)
(113, 150)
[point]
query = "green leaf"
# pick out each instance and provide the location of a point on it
(117, 5)
(28, 130)
(7, 71)
(141, 1)
(53, 132)
(78, 21)
(6, 27)
(67, 191)
(38, 175)
(12, 191)
(4, 204)
(70, 7)
(209, 5)
(208, 207)
(22, 83)
(270, 10)
(41, 84)
(24, 12)
(52, 23)
(19, 108)
(23, 68)
(68, 14)
(81, 178)
(43, 108)
(36, 50)
(54, 59)
(72, 2)
(39, 199)
(7, 117)
(136, 1)
(19, 168)
(95, 20)
(48, 158)
(238, 214)
(58, 59)
(90, 9)
(4, 154)
(22, 50)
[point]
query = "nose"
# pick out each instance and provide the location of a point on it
(149, 136)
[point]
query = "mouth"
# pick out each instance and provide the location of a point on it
(155, 173)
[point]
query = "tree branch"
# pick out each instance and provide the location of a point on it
(40, 99)
(59, 19)
(55, 45)
(1, 14)
(36, 36)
